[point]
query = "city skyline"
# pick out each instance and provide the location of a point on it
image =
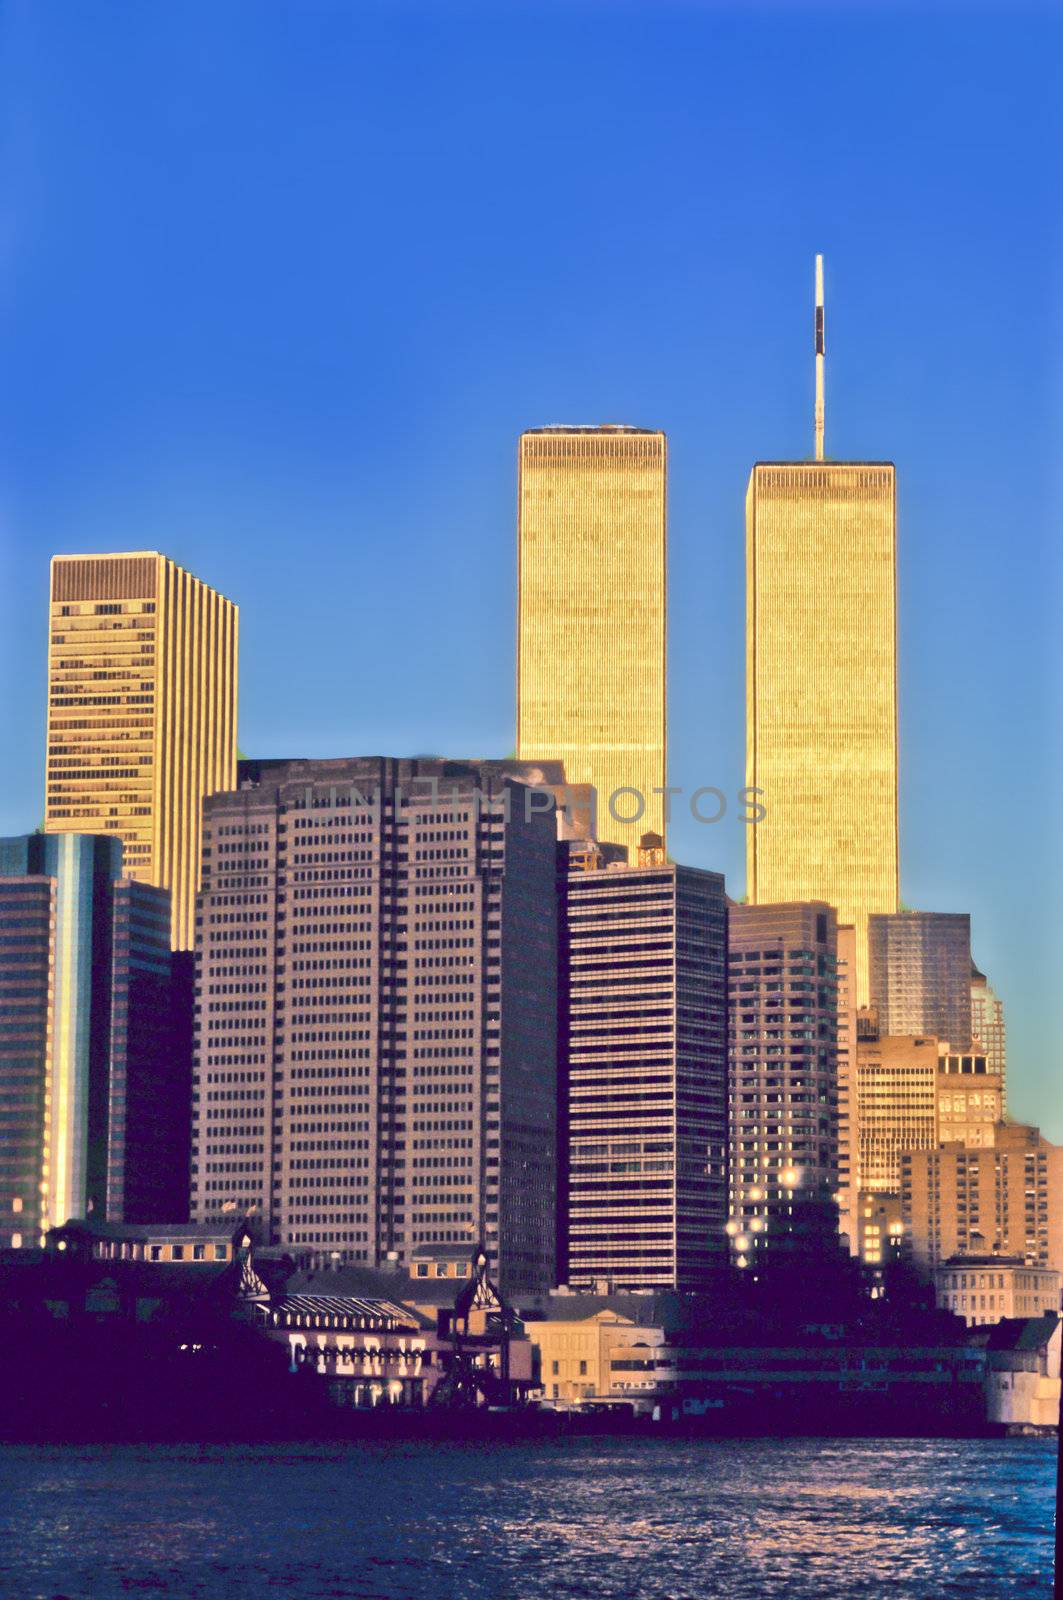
(178, 453)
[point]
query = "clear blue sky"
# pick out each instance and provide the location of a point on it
(280, 284)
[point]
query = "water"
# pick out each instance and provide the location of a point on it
(603, 1519)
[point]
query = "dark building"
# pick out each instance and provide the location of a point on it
(376, 981)
(94, 1110)
(920, 974)
(784, 1075)
(643, 1026)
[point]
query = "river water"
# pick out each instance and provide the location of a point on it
(604, 1519)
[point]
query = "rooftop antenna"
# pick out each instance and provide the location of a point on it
(819, 358)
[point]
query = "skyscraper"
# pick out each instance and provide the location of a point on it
(920, 974)
(987, 1023)
(376, 1062)
(141, 713)
(93, 1093)
(897, 1080)
(783, 981)
(591, 625)
(821, 683)
(644, 1070)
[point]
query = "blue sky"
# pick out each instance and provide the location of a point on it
(280, 284)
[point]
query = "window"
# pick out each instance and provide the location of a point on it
(221, 1252)
(583, 1369)
(555, 1368)
(422, 1269)
(156, 1252)
(199, 1252)
(177, 1252)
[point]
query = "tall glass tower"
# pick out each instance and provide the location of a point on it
(141, 713)
(591, 631)
(821, 682)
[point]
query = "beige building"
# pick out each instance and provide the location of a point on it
(970, 1098)
(591, 616)
(848, 1120)
(577, 1348)
(896, 1106)
(141, 713)
(985, 1289)
(821, 688)
(1006, 1200)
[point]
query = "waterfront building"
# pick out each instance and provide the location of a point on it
(784, 1010)
(1005, 1200)
(986, 1289)
(879, 1231)
(920, 974)
(643, 1028)
(970, 1099)
(141, 713)
(578, 1337)
(987, 1024)
(848, 1119)
(896, 1090)
(821, 683)
(376, 979)
(95, 1085)
(591, 617)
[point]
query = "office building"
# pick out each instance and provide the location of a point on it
(896, 1092)
(644, 1071)
(141, 713)
(591, 617)
(94, 1102)
(783, 982)
(848, 1121)
(987, 1024)
(986, 1289)
(970, 1099)
(1003, 1200)
(821, 684)
(376, 1041)
(920, 974)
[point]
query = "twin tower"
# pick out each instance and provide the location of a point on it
(821, 652)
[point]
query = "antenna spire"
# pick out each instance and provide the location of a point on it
(819, 358)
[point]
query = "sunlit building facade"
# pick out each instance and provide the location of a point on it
(970, 1099)
(896, 1081)
(987, 1023)
(591, 617)
(821, 688)
(142, 663)
(93, 1089)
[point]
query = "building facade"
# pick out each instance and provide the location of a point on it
(643, 1029)
(986, 1289)
(591, 617)
(821, 688)
(896, 1095)
(848, 1119)
(783, 982)
(920, 974)
(987, 1024)
(95, 1089)
(970, 1100)
(141, 713)
(376, 1039)
(1006, 1200)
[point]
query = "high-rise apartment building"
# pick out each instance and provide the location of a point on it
(141, 713)
(920, 974)
(1003, 1200)
(591, 617)
(93, 1087)
(644, 1071)
(987, 1023)
(821, 684)
(377, 985)
(896, 1081)
(783, 980)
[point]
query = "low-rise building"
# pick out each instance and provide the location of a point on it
(582, 1338)
(987, 1289)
